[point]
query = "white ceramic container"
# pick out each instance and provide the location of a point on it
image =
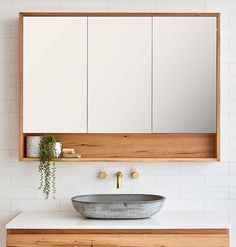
(58, 148)
(32, 147)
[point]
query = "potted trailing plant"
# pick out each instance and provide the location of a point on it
(48, 153)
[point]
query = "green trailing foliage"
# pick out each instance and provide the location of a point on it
(47, 167)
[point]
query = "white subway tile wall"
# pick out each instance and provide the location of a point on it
(187, 186)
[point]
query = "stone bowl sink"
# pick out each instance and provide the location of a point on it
(118, 206)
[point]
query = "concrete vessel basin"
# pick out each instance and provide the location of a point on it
(118, 206)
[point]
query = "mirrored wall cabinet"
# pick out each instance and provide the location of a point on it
(122, 86)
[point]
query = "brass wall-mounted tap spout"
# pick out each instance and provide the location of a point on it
(119, 176)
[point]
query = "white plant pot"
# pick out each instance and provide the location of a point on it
(32, 147)
(58, 148)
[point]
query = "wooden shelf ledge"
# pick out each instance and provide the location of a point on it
(129, 159)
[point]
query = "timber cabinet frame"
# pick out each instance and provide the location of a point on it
(117, 237)
(132, 147)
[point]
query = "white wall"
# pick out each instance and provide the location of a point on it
(188, 186)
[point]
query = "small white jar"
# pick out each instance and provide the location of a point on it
(58, 148)
(32, 147)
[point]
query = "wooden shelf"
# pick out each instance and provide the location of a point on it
(128, 159)
(136, 147)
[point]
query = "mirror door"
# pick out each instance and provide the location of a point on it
(119, 74)
(55, 74)
(184, 74)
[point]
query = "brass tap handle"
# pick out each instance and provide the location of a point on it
(119, 176)
(135, 175)
(102, 175)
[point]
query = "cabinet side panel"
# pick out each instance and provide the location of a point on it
(20, 92)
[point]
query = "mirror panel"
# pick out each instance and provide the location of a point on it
(119, 69)
(55, 74)
(184, 74)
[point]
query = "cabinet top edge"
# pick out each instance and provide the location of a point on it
(114, 14)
